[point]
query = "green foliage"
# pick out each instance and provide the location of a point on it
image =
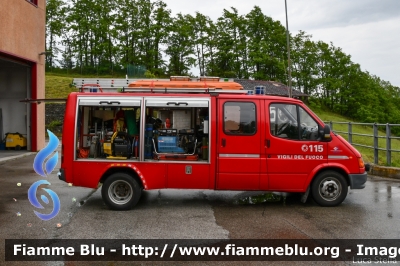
(149, 75)
(54, 123)
(266, 46)
(362, 138)
(55, 126)
(180, 46)
(204, 43)
(103, 37)
(55, 15)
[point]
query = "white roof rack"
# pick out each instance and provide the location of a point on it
(121, 85)
(104, 83)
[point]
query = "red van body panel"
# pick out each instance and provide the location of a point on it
(244, 148)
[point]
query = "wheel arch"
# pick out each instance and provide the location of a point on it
(327, 167)
(128, 170)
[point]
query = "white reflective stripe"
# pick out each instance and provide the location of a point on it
(338, 157)
(176, 102)
(234, 155)
(108, 101)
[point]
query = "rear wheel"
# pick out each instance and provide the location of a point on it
(121, 191)
(329, 189)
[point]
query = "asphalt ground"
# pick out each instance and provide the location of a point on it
(8, 155)
(370, 213)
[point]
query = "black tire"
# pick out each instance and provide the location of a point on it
(329, 188)
(121, 191)
(17, 147)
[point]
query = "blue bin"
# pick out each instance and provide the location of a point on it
(167, 144)
(259, 90)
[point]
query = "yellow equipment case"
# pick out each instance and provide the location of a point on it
(15, 140)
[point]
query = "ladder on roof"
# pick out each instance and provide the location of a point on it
(103, 83)
(110, 83)
(122, 85)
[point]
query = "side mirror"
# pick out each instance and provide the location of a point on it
(325, 133)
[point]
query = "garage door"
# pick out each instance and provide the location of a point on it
(15, 84)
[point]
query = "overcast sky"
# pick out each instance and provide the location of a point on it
(368, 30)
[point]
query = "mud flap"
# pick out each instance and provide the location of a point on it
(305, 195)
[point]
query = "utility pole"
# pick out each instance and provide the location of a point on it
(288, 52)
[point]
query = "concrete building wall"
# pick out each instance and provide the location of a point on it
(22, 39)
(22, 29)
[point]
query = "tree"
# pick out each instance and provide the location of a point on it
(55, 16)
(203, 46)
(127, 31)
(103, 35)
(180, 46)
(304, 59)
(266, 46)
(230, 43)
(159, 29)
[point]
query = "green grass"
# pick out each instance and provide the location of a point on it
(58, 86)
(367, 153)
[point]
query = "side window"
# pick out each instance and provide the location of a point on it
(176, 129)
(240, 118)
(285, 120)
(35, 2)
(107, 128)
(308, 126)
(284, 124)
(173, 129)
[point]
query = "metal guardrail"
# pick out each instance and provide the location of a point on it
(388, 136)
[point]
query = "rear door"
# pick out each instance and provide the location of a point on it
(238, 144)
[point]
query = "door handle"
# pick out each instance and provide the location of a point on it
(109, 102)
(223, 142)
(267, 143)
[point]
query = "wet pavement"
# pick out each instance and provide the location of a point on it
(371, 213)
(6, 155)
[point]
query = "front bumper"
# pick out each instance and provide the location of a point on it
(357, 181)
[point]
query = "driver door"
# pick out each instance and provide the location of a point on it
(293, 149)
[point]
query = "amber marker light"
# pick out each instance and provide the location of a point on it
(361, 162)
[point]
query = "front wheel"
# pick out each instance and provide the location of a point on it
(121, 191)
(329, 189)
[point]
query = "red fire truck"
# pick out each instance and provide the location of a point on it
(204, 134)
